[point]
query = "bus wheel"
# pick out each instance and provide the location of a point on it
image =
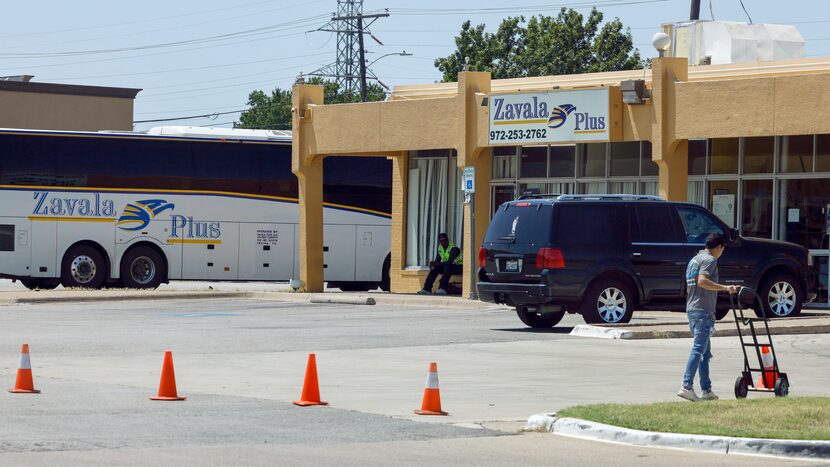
(83, 266)
(44, 284)
(142, 268)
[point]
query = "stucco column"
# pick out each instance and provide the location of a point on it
(670, 153)
(483, 166)
(473, 88)
(308, 167)
(400, 172)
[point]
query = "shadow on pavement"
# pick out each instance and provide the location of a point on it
(554, 330)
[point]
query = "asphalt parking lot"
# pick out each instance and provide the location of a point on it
(241, 362)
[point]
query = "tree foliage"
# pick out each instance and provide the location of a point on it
(567, 43)
(274, 111)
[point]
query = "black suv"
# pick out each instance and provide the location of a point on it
(604, 256)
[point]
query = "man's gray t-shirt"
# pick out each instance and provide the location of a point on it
(698, 298)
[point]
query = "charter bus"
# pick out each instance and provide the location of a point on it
(101, 209)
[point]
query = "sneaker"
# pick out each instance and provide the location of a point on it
(424, 292)
(440, 292)
(688, 394)
(708, 396)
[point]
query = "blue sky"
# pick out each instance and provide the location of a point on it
(198, 57)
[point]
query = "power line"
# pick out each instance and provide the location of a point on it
(175, 27)
(516, 9)
(209, 39)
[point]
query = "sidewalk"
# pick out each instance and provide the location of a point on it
(809, 322)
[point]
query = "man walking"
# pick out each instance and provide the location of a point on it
(447, 262)
(701, 297)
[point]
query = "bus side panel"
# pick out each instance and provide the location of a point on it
(14, 245)
(372, 245)
(266, 252)
(338, 252)
(102, 233)
(216, 259)
(45, 261)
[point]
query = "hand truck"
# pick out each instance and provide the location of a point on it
(744, 383)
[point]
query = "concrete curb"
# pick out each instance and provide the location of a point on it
(801, 449)
(586, 330)
(341, 300)
(128, 296)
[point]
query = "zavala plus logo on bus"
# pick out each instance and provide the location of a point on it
(536, 111)
(136, 215)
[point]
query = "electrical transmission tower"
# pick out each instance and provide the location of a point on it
(350, 70)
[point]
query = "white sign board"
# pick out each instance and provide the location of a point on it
(549, 117)
(724, 207)
(469, 184)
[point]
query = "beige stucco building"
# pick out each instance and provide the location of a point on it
(48, 106)
(756, 132)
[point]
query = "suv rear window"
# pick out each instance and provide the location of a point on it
(588, 225)
(520, 224)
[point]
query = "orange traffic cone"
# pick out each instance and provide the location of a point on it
(767, 379)
(24, 382)
(167, 386)
(431, 405)
(311, 390)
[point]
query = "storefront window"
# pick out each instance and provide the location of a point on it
(757, 209)
(534, 188)
(592, 188)
(504, 163)
(697, 192)
(723, 157)
(650, 167)
(803, 212)
(697, 157)
(796, 154)
(502, 194)
(623, 188)
(434, 204)
(592, 160)
(562, 188)
(823, 153)
(758, 155)
(562, 161)
(534, 162)
(625, 159)
(722, 200)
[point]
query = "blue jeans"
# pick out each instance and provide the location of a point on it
(701, 324)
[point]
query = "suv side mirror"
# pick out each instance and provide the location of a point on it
(733, 235)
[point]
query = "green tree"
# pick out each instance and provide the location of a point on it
(274, 111)
(567, 43)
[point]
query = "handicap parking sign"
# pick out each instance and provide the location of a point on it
(469, 180)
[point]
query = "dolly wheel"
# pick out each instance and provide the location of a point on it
(782, 387)
(741, 388)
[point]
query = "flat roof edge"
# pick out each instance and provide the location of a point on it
(68, 89)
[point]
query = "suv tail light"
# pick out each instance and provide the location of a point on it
(482, 257)
(550, 258)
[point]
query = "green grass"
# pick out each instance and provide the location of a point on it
(770, 417)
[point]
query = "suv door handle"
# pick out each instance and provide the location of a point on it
(636, 254)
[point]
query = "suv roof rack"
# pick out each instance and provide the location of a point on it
(539, 195)
(611, 197)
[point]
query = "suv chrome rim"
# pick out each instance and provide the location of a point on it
(142, 270)
(611, 305)
(781, 298)
(83, 269)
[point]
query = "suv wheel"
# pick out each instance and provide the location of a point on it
(780, 295)
(608, 302)
(539, 320)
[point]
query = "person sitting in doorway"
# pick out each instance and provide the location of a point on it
(447, 262)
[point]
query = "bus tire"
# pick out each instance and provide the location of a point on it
(83, 267)
(43, 284)
(385, 281)
(142, 267)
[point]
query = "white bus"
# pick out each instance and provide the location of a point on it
(94, 209)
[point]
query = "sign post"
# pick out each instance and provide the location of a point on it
(469, 188)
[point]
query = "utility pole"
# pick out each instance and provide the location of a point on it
(695, 13)
(349, 70)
